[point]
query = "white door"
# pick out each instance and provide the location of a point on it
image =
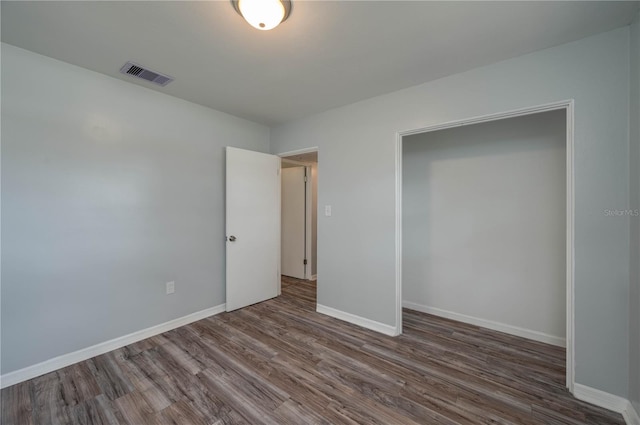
(252, 227)
(293, 222)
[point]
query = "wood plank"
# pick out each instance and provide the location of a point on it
(280, 362)
(96, 411)
(17, 404)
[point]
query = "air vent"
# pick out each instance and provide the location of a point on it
(138, 71)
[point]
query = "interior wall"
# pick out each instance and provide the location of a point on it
(357, 244)
(109, 191)
(634, 206)
(484, 224)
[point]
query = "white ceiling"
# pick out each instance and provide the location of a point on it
(327, 54)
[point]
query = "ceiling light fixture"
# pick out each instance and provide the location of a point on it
(263, 14)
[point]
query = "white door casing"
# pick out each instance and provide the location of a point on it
(252, 227)
(293, 222)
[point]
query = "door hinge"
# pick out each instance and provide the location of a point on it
(305, 179)
(305, 261)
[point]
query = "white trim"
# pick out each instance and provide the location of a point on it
(314, 277)
(399, 233)
(489, 324)
(357, 320)
(554, 106)
(570, 247)
(308, 221)
(600, 398)
(65, 360)
(630, 415)
(607, 401)
(568, 105)
(279, 248)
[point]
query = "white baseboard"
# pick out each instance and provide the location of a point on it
(314, 277)
(608, 401)
(496, 326)
(65, 360)
(630, 415)
(357, 320)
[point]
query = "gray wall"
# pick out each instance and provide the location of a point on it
(634, 204)
(109, 190)
(356, 246)
(484, 223)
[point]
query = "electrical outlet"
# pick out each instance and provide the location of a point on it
(171, 287)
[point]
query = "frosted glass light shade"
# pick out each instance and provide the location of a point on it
(262, 14)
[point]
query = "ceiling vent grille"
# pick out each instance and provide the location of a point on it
(139, 71)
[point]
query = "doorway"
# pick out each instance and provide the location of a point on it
(299, 178)
(451, 223)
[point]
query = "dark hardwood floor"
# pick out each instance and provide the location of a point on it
(280, 362)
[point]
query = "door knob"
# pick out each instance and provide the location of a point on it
(232, 238)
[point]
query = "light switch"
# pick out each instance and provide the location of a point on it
(171, 287)
(327, 210)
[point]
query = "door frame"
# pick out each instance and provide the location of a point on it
(308, 275)
(568, 106)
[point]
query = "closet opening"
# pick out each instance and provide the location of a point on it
(485, 225)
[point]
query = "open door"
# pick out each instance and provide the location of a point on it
(252, 227)
(294, 257)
